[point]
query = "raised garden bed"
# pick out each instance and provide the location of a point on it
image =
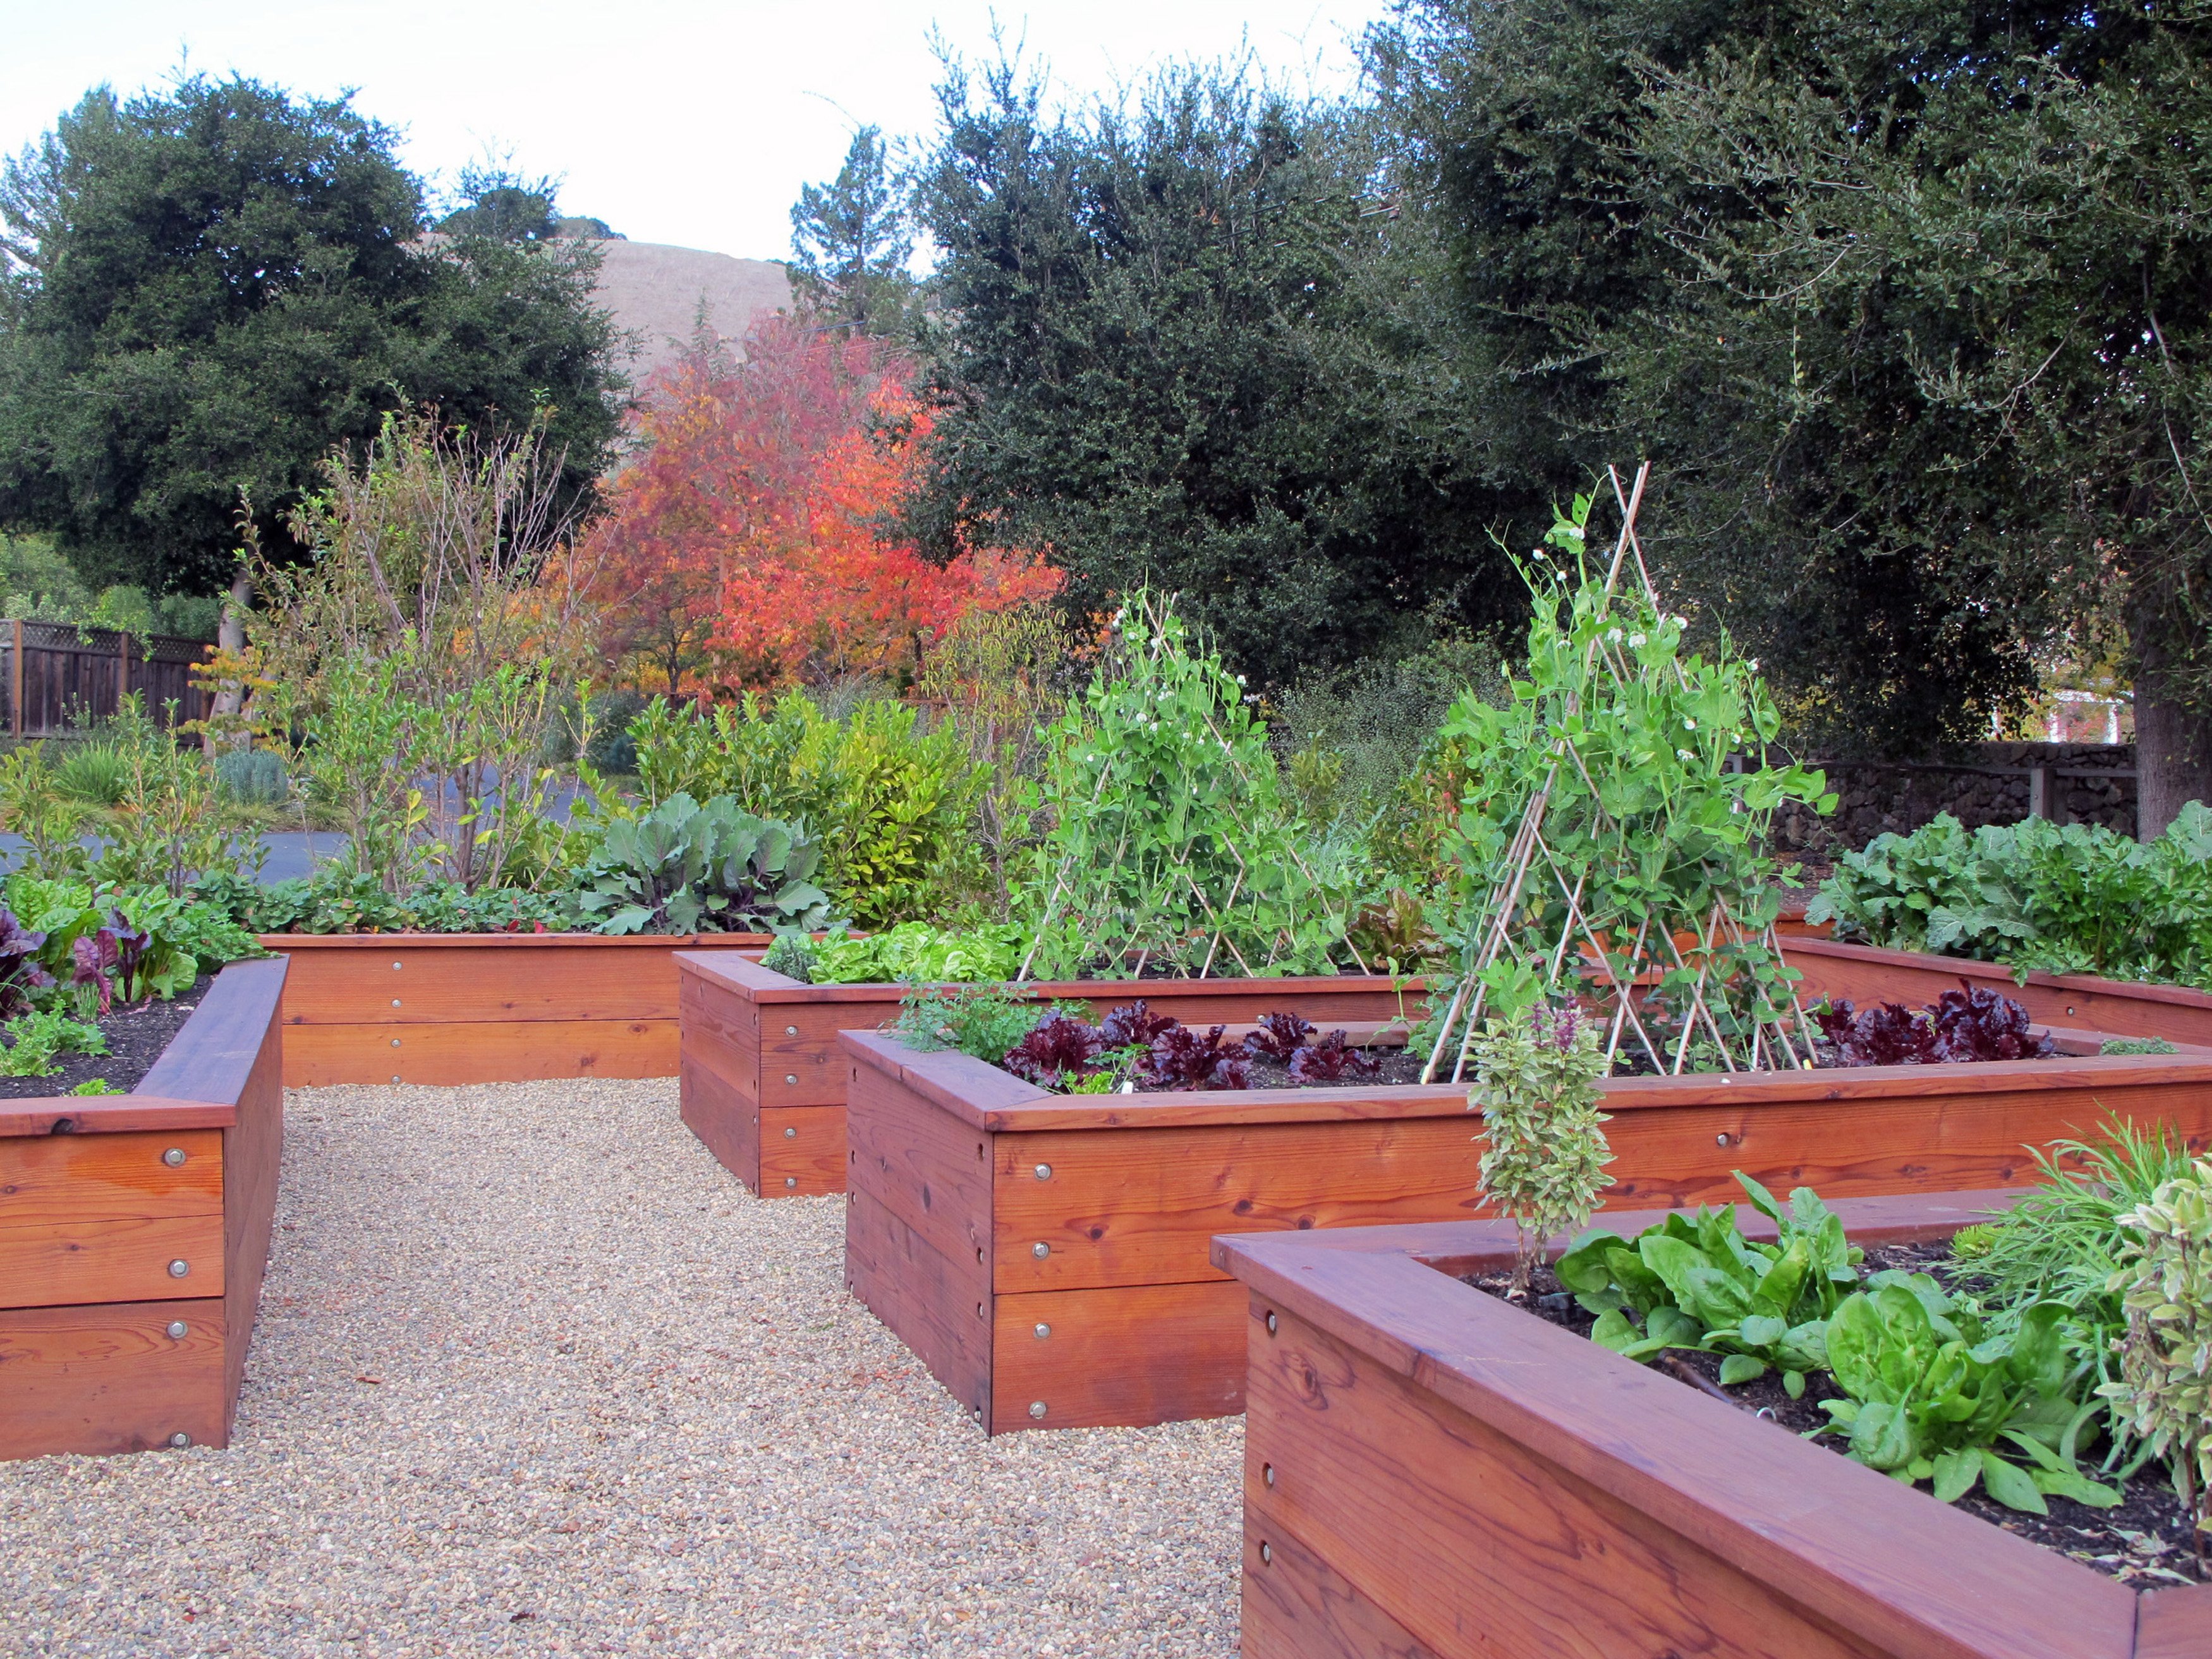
(1046, 1254)
(449, 1008)
(1429, 1471)
(764, 1085)
(137, 1036)
(2119, 1007)
(133, 1229)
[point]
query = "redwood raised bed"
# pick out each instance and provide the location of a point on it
(1046, 1256)
(449, 1008)
(2118, 1007)
(763, 1084)
(133, 1229)
(1431, 1472)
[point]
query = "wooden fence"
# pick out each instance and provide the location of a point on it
(57, 677)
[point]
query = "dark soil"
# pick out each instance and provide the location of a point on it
(135, 1037)
(2145, 1541)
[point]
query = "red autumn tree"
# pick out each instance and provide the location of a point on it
(745, 537)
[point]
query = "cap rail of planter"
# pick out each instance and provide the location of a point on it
(1046, 1256)
(1429, 1471)
(2118, 1007)
(763, 1084)
(449, 1008)
(134, 1230)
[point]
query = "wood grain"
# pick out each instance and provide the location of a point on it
(727, 1123)
(1296, 1606)
(802, 1150)
(520, 1051)
(1190, 1338)
(2174, 1624)
(939, 1306)
(127, 1259)
(475, 979)
(49, 1179)
(931, 1171)
(253, 1153)
(1138, 1207)
(101, 1380)
(94, 1114)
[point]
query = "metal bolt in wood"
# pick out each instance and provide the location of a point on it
(181, 1439)
(179, 1267)
(1267, 1472)
(791, 1134)
(395, 1002)
(1036, 1408)
(1043, 1330)
(790, 1031)
(1720, 1140)
(178, 1330)
(1271, 1324)
(174, 1157)
(791, 1077)
(1044, 1172)
(395, 1042)
(1267, 1552)
(791, 1181)
(1040, 1249)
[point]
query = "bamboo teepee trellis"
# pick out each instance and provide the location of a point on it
(1748, 1027)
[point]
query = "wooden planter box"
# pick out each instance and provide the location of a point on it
(105, 1346)
(1046, 1256)
(763, 1084)
(1430, 1473)
(2118, 1007)
(449, 1008)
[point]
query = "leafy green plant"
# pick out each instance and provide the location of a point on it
(1170, 844)
(95, 773)
(982, 1021)
(22, 973)
(36, 1041)
(2164, 1391)
(916, 951)
(95, 1086)
(1619, 742)
(167, 827)
(33, 807)
(894, 797)
(1536, 1086)
(684, 867)
(2146, 1045)
(1930, 1397)
(793, 955)
(2036, 896)
(255, 776)
(1697, 1282)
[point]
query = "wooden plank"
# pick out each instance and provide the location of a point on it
(727, 1123)
(939, 1306)
(126, 1259)
(802, 1150)
(106, 1379)
(928, 1168)
(2174, 1624)
(253, 1153)
(48, 1179)
(720, 1033)
(1296, 1606)
(483, 1051)
(1128, 1356)
(1865, 973)
(1473, 1543)
(800, 1062)
(1139, 1207)
(396, 982)
(94, 1114)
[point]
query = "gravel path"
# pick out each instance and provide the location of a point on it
(535, 1375)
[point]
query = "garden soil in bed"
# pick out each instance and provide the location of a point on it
(2144, 1542)
(137, 1036)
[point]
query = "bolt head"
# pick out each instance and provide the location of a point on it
(1036, 1408)
(791, 1077)
(1267, 1472)
(178, 1330)
(395, 1002)
(791, 1134)
(1040, 1249)
(179, 1267)
(395, 967)
(174, 1157)
(1271, 1324)
(1044, 1172)
(1267, 1552)
(395, 1076)
(1720, 1140)
(791, 1181)
(790, 1031)
(1043, 1330)
(395, 1042)
(180, 1440)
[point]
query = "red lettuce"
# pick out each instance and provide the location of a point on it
(1058, 1047)
(1181, 1059)
(1279, 1036)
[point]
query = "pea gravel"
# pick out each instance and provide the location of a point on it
(534, 1374)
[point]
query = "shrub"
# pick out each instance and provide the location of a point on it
(1536, 1086)
(2164, 1387)
(252, 776)
(95, 773)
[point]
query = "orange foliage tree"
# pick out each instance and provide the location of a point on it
(744, 543)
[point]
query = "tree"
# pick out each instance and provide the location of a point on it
(850, 244)
(208, 289)
(745, 542)
(1908, 304)
(503, 205)
(1177, 346)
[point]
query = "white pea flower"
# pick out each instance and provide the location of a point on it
(1692, 724)
(1612, 634)
(1240, 679)
(1637, 640)
(1682, 754)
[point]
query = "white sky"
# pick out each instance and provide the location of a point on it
(674, 121)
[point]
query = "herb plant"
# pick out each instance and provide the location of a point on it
(2164, 1387)
(982, 1021)
(1536, 1087)
(793, 955)
(36, 1041)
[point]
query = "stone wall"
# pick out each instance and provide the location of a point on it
(1982, 783)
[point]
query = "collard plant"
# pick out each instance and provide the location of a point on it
(1604, 848)
(688, 868)
(1170, 842)
(1536, 1086)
